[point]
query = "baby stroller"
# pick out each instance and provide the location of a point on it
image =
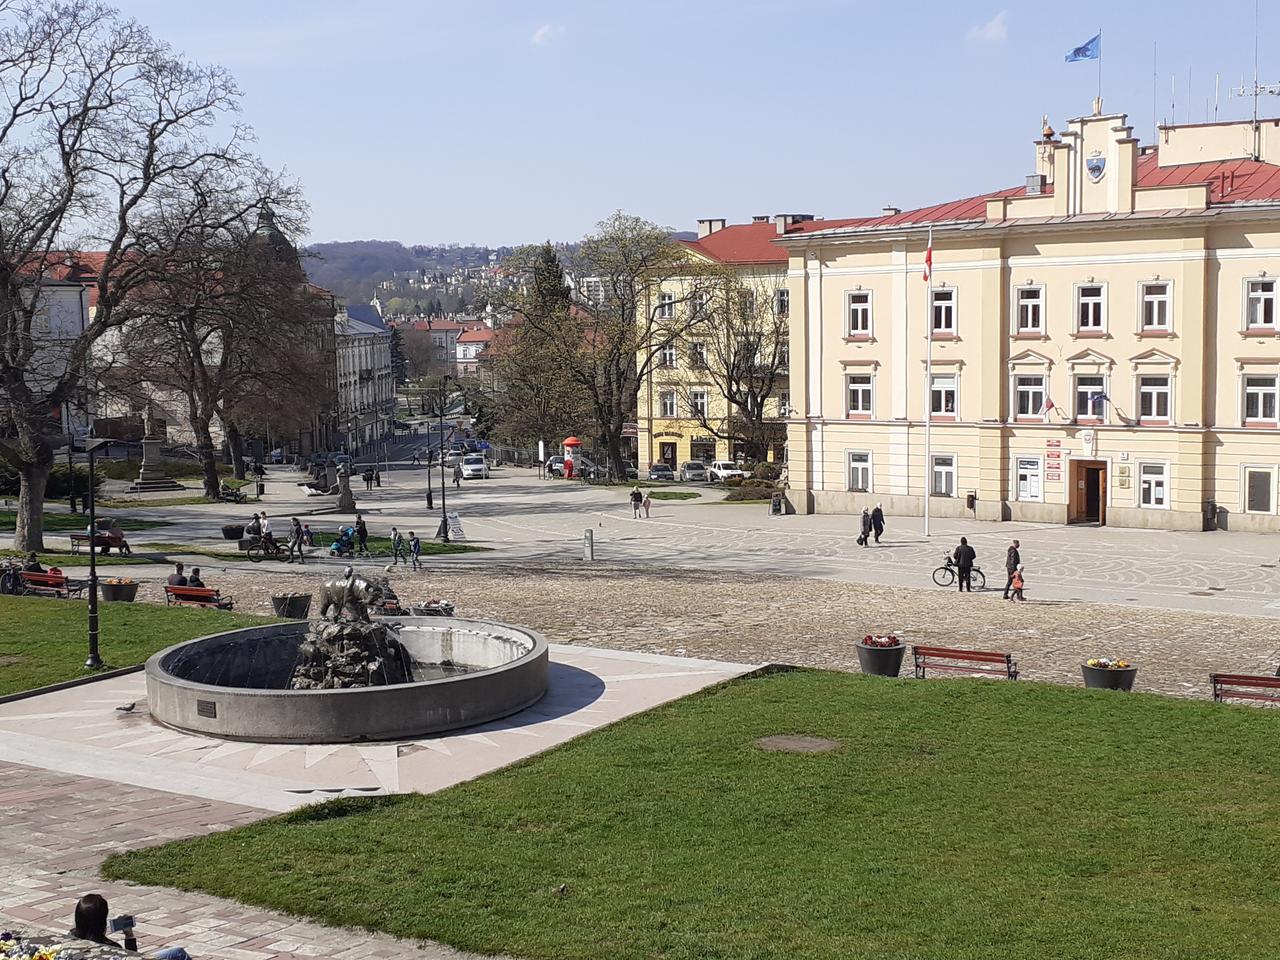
(345, 545)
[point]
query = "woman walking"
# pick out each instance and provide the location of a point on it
(637, 502)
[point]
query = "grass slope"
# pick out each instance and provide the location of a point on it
(63, 522)
(45, 640)
(960, 819)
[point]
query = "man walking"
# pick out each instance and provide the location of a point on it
(1012, 560)
(457, 475)
(964, 557)
(877, 521)
(362, 536)
(397, 547)
(295, 540)
(866, 527)
(415, 551)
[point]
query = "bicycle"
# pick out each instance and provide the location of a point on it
(945, 575)
(261, 550)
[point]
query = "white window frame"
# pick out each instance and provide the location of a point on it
(1103, 311)
(667, 408)
(1019, 327)
(668, 355)
(1145, 298)
(1272, 296)
(666, 306)
(784, 403)
(1261, 393)
(1165, 481)
(698, 403)
(869, 387)
(1139, 391)
(697, 355)
(1017, 468)
(1245, 470)
(865, 310)
(952, 470)
(952, 303)
(869, 466)
(782, 302)
(954, 387)
(1090, 417)
(1041, 415)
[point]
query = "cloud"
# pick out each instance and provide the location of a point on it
(993, 31)
(545, 34)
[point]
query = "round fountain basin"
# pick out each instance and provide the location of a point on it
(234, 685)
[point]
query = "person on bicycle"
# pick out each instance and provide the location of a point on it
(964, 557)
(265, 526)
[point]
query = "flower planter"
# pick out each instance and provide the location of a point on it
(118, 592)
(292, 606)
(233, 531)
(880, 661)
(1108, 678)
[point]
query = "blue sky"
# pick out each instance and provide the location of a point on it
(514, 121)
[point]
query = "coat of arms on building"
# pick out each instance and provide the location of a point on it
(1096, 166)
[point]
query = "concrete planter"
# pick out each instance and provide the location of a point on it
(233, 531)
(880, 661)
(291, 606)
(1105, 678)
(118, 592)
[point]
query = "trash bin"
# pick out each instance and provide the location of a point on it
(261, 488)
(1211, 514)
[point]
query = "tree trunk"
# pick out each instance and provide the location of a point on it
(207, 454)
(235, 443)
(33, 478)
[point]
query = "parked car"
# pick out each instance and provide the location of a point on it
(632, 472)
(723, 470)
(475, 467)
(453, 458)
(661, 471)
(555, 465)
(693, 470)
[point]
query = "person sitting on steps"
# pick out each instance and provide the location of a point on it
(91, 925)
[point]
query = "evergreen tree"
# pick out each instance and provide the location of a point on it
(399, 363)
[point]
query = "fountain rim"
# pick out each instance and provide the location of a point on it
(540, 647)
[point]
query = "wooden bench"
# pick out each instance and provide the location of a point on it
(51, 585)
(976, 662)
(1245, 686)
(104, 540)
(196, 597)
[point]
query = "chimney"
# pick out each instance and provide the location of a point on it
(762, 218)
(709, 226)
(891, 211)
(1035, 184)
(786, 220)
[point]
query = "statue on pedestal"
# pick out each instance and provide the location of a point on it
(346, 499)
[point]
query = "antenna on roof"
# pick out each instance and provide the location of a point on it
(1256, 89)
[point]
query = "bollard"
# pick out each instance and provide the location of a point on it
(588, 544)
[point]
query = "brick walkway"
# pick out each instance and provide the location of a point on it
(57, 829)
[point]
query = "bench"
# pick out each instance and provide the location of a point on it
(1245, 686)
(976, 662)
(51, 585)
(196, 597)
(104, 540)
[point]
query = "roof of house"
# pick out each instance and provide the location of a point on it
(366, 313)
(481, 335)
(358, 328)
(741, 243)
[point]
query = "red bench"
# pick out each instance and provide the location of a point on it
(51, 585)
(196, 597)
(1245, 686)
(987, 663)
(104, 540)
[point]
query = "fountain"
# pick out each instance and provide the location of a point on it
(348, 676)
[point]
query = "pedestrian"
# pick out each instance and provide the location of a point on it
(457, 475)
(1018, 582)
(637, 502)
(308, 538)
(877, 521)
(648, 502)
(415, 551)
(964, 557)
(362, 536)
(368, 479)
(377, 478)
(295, 540)
(1012, 561)
(866, 526)
(397, 547)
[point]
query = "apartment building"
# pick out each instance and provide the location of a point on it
(365, 382)
(1096, 345)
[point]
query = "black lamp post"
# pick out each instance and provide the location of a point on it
(94, 661)
(444, 512)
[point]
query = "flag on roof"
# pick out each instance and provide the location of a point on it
(1090, 50)
(928, 258)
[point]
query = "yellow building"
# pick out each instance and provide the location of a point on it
(1103, 339)
(684, 407)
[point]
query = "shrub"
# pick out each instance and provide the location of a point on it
(733, 482)
(749, 493)
(760, 483)
(56, 489)
(174, 469)
(767, 471)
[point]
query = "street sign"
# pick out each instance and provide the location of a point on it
(455, 527)
(484, 444)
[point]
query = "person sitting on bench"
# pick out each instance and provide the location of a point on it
(117, 538)
(33, 564)
(194, 580)
(178, 578)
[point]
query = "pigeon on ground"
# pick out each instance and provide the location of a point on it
(128, 707)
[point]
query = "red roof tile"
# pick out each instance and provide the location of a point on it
(741, 243)
(482, 335)
(1230, 181)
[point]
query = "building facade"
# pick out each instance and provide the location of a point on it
(365, 384)
(1097, 345)
(471, 344)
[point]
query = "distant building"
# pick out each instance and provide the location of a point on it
(471, 344)
(365, 384)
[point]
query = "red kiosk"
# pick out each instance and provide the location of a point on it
(571, 447)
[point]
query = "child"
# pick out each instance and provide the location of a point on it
(1017, 585)
(415, 550)
(648, 503)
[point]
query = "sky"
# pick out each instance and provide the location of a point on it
(512, 121)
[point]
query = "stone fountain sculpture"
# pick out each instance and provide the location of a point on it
(344, 648)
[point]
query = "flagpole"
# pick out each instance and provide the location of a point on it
(928, 389)
(1099, 69)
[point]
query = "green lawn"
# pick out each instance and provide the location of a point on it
(53, 558)
(45, 640)
(64, 522)
(959, 819)
(673, 495)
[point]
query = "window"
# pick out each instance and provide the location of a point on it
(1090, 397)
(859, 387)
(697, 355)
(944, 476)
(784, 356)
(666, 306)
(783, 302)
(667, 355)
(1258, 496)
(784, 404)
(1028, 395)
(1153, 484)
(698, 403)
(860, 472)
(1090, 307)
(1027, 470)
(942, 395)
(1155, 306)
(667, 403)
(1031, 310)
(944, 312)
(1260, 399)
(860, 314)
(1153, 398)
(1261, 310)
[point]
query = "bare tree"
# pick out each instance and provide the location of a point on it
(102, 130)
(532, 397)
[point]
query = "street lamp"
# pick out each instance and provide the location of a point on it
(444, 512)
(94, 661)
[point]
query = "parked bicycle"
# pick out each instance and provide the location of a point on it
(945, 575)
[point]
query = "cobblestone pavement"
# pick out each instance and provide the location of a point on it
(57, 829)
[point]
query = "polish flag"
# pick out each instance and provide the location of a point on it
(928, 258)
(1049, 407)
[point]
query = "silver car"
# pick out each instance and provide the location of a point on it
(693, 471)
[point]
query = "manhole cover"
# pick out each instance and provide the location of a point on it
(796, 744)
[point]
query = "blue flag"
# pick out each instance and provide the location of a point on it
(1091, 50)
